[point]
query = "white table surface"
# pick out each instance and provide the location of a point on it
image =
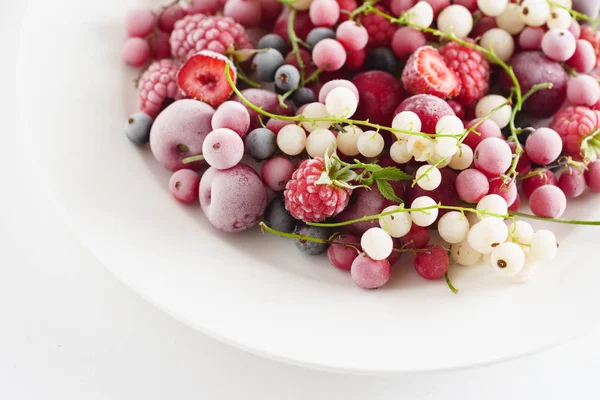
(71, 330)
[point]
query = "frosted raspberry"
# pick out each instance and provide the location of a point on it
(573, 124)
(311, 202)
(199, 32)
(472, 69)
(592, 35)
(158, 86)
(380, 29)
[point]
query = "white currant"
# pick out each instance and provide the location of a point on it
(399, 152)
(428, 177)
(319, 142)
(508, 259)
(347, 140)
(492, 8)
(543, 245)
(396, 225)
(341, 102)
(462, 159)
(377, 243)
(370, 144)
(424, 218)
(463, 254)
(291, 140)
(487, 234)
(315, 110)
(492, 203)
(453, 227)
(406, 121)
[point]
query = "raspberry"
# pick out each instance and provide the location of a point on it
(380, 29)
(472, 69)
(573, 124)
(200, 32)
(592, 35)
(157, 87)
(426, 72)
(311, 202)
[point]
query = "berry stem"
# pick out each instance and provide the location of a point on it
(192, 159)
(449, 283)
(294, 42)
(555, 220)
(244, 78)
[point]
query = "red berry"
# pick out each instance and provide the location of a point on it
(426, 72)
(433, 263)
(508, 191)
(417, 238)
(545, 177)
(368, 273)
(266, 99)
(573, 124)
(184, 185)
(356, 59)
(168, 17)
(429, 109)
(406, 40)
(136, 51)
(483, 25)
(302, 24)
(139, 22)
(548, 201)
(380, 29)
(346, 7)
(472, 69)
(458, 108)
(572, 182)
(514, 207)
(341, 255)
(592, 35)
(472, 185)
(592, 176)
(157, 87)
(380, 94)
(486, 129)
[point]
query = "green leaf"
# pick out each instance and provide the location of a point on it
(391, 174)
(347, 176)
(386, 190)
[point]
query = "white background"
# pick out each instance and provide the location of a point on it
(70, 330)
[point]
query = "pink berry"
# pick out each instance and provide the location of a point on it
(493, 157)
(592, 176)
(438, 5)
(543, 146)
(548, 201)
(232, 115)
(168, 17)
(483, 25)
(406, 40)
(223, 148)
(136, 52)
(140, 22)
(433, 263)
(335, 83)
(429, 109)
(351, 35)
(399, 6)
(245, 12)
(575, 28)
(487, 129)
(342, 256)
(417, 238)
(572, 182)
(559, 44)
(545, 177)
(276, 172)
(324, 13)
(200, 6)
(583, 90)
(275, 125)
(531, 38)
(356, 59)
(458, 109)
(506, 190)
(470, 5)
(368, 273)
(584, 59)
(184, 185)
(329, 55)
(514, 207)
(162, 46)
(472, 185)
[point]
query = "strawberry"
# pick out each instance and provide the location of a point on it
(426, 72)
(202, 77)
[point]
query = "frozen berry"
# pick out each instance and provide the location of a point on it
(584, 58)
(303, 96)
(261, 144)
(380, 94)
(432, 263)
(324, 12)
(140, 22)
(493, 157)
(157, 87)
(318, 34)
(136, 52)
(426, 72)
(273, 41)
(368, 273)
(548, 201)
(583, 90)
(531, 38)
(472, 185)
(278, 218)
(310, 247)
(352, 35)
(429, 109)
(168, 17)
(543, 146)
(245, 12)
(184, 185)
(559, 44)
(406, 40)
(232, 115)
(472, 69)
(266, 64)
(287, 77)
(344, 252)
(276, 172)
(544, 177)
(485, 129)
(592, 176)
(329, 55)
(266, 99)
(572, 182)
(381, 59)
(137, 128)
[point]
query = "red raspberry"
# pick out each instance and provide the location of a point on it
(199, 32)
(311, 202)
(426, 72)
(573, 124)
(472, 69)
(380, 29)
(592, 35)
(158, 86)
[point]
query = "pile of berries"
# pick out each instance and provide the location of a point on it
(371, 125)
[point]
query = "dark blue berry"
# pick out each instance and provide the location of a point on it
(318, 34)
(261, 144)
(303, 96)
(137, 128)
(266, 63)
(273, 41)
(278, 218)
(310, 247)
(381, 59)
(287, 77)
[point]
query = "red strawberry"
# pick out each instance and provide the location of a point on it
(202, 77)
(426, 72)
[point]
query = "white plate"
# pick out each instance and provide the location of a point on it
(253, 291)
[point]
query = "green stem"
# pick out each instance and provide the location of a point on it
(313, 76)
(192, 159)
(294, 41)
(450, 285)
(555, 220)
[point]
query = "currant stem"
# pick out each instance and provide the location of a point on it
(450, 285)
(555, 220)
(294, 41)
(192, 159)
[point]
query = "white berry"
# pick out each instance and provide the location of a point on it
(455, 19)
(511, 19)
(428, 177)
(535, 12)
(527, 272)
(424, 218)
(487, 234)
(377, 243)
(420, 147)
(291, 140)
(500, 41)
(399, 152)
(370, 144)
(319, 142)
(462, 159)
(568, 4)
(520, 232)
(463, 254)
(543, 246)
(347, 140)
(492, 203)
(438, 160)
(492, 8)
(396, 225)
(406, 121)
(508, 259)
(559, 19)
(341, 102)
(453, 227)
(490, 102)
(315, 110)
(421, 14)
(449, 125)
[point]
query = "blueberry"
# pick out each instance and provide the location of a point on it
(287, 77)
(318, 34)
(137, 128)
(307, 246)
(273, 41)
(261, 143)
(303, 96)
(278, 218)
(381, 59)
(266, 64)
